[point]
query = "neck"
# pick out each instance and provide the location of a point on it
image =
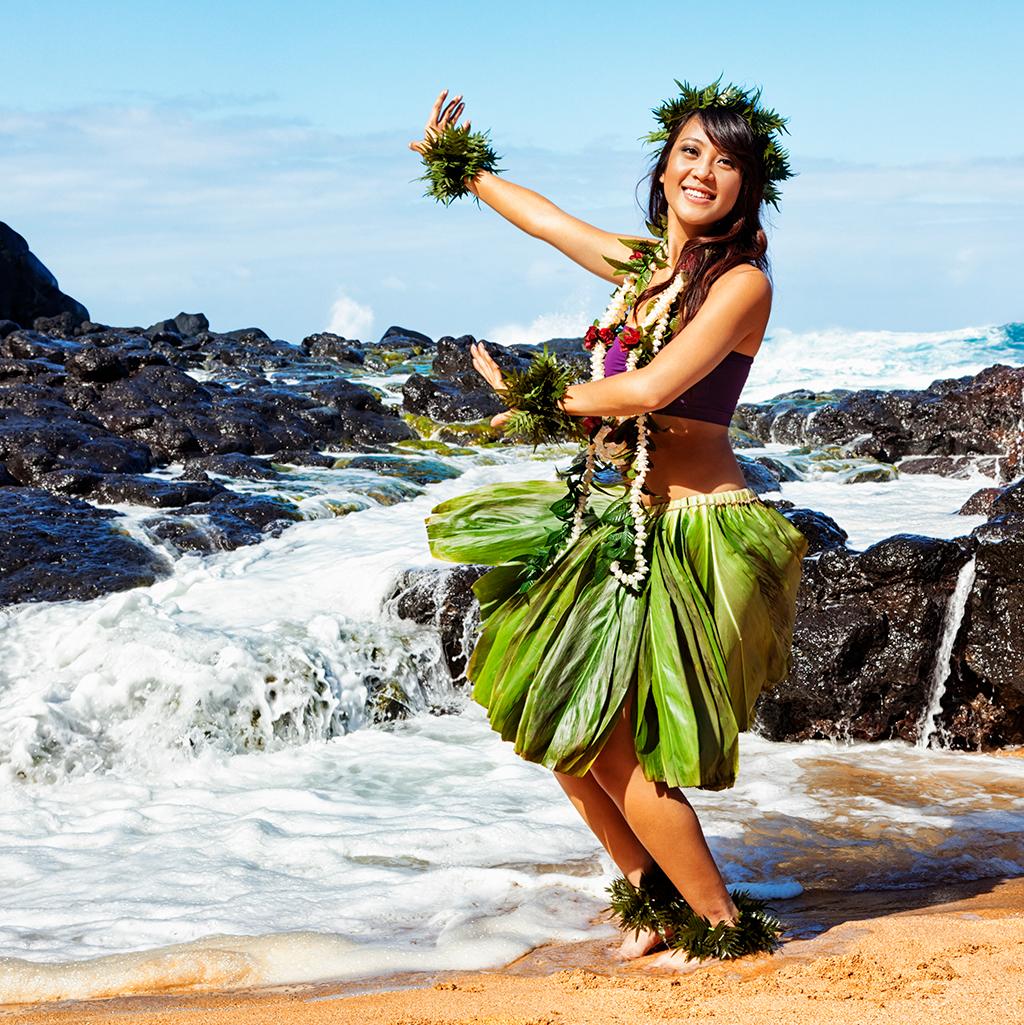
(678, 234)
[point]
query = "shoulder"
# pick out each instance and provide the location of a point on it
(745, 277)
(743, 283)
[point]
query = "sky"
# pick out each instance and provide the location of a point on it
(251, 161)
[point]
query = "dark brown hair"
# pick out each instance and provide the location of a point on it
(738, 237)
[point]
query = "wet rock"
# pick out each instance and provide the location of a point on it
(325, 345)
(778, 468)
(453, 361)
(980, 503)
(63, 325)
(397, 337)
(418, 471)
(445, 401)
(229, 464)
(303, 457)
(191, 323)
(822, 532)
(968, 416)
(31, 345)
(961, 467)
(226, 522)
(27, 289)
(1010, 501)
(364, 419)
(137, 490)
(761, 479)
(864, 645)
(34, 445)
(983, 705)
(455, 391)
(441, 598)
(55, 549)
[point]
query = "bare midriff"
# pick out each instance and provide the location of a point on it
(690, 457)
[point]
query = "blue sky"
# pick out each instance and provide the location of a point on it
(250, 159)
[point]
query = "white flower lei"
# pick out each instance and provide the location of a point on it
(615, 313)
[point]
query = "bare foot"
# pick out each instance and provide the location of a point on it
(676, 961)
(637, 945)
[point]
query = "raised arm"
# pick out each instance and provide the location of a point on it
(529, 210)
(539, 217)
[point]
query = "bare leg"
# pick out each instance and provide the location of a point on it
(665, 823)
(601, 813)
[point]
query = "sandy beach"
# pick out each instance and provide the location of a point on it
(946, 955)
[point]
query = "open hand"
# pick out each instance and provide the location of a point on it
(440, 119)
(491, 373)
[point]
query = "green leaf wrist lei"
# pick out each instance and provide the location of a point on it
(452, 157)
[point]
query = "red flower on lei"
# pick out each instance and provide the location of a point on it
(590, 338)
(629, 337)
(591, 423)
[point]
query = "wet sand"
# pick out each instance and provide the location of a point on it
(948, 954)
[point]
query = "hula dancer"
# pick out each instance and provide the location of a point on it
(627, 630)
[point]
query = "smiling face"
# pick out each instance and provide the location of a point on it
(701, 182)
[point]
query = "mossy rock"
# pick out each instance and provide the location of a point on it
(389, 496)
(870, 473)
(428, 445)
(388, 702)
(473, 432)
(414, 470)
(343, 508)
(422, 425)
(744, 439)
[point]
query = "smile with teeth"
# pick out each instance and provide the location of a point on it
(698, 195)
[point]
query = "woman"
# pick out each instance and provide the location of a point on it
(629, 693)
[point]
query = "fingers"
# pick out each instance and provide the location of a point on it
(486, 367)
(452, 112)
(437, 105)
(440, 119)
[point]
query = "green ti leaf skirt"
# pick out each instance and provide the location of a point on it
(709, 631)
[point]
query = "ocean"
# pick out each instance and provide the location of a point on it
(194, 795)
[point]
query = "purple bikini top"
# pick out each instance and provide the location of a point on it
(712, 399)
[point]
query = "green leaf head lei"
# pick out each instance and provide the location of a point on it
(766, 125)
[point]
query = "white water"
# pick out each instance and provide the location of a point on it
(147, 813)
(835, 357)
(951, 621)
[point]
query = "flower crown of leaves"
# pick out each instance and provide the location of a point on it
(764, 123)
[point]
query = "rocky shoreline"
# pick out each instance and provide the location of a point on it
(94, 415)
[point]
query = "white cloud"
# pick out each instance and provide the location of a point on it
(541, 328)
(350, 319)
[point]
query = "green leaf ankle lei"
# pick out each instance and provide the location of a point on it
(657, 906)
(453, 157)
